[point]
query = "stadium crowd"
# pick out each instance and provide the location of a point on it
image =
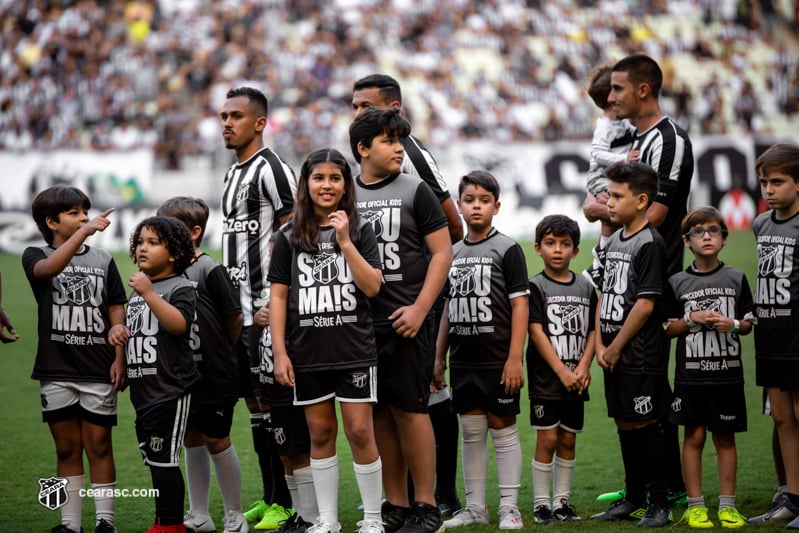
(105, 74)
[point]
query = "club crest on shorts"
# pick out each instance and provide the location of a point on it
(280, 435)
(538, 410)
(156, 444)
(642, 404)
(676, 404)
(359, 379)
(53, 492)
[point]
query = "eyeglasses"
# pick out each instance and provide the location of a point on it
(699, 231)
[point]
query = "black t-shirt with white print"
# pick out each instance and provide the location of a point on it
(483, 279)
(635, 267)
(328, 320)
(214, 354)
(706, 356)
(73, 315)
(567, 313)
(777, 289)
(160, 365)
(402, 211)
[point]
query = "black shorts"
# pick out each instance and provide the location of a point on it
(160, 431)
(566, 414)
(249, 361)
(357, 385)
(719, 408)
(472, 389)
(405, 366)
(637, 397)
(780, 373)
(290, 431)
(213, 419)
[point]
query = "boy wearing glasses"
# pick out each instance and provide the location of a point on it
(709, 305)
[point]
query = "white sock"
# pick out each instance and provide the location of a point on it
(562, 484)
(228, 476)
(305, 505)
(104, 502)
(198, 477)
(70, 512)
(508, 452)
(474, 454)
(325, 481)
(291, 484)
(542, 482)
(370, 483)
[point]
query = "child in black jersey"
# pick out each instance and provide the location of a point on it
(81, 300)
(161, 367)
(416, 253)
(214, 335)
(632, 347)
(325, 265)
(559, 356)
(776, 297)
(483, 327)
(709, 304)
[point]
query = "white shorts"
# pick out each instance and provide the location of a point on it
(93, 402)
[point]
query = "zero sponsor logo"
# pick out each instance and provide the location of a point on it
(253, 227)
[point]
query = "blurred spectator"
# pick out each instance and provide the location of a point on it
(96, 74)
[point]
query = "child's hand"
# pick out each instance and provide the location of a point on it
(118, 335)
(706, 318)
(583, 376)
(261, 318)
(569, 379)
(5, 324)
(438, 381)
(98, 223)
(608, 357)
(633, 155)
(407, 320)
(284, 370)
(512, 376)
(118, 375)
(140, 283)
(341, 223)
(720, 323)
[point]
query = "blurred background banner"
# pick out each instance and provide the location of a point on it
(536, 179)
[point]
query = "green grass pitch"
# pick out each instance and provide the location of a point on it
(28, 452)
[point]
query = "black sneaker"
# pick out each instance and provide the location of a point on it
(656, 516)
(448, 502)
(565, 512)
(423, 518)
(61, 528)
(543, 515)
(393, 516)
(104, 526)
(621, 510)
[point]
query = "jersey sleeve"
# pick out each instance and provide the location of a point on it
(746, 306)
(220, 290)
(429, 214)
(280, 187)
(116, 289)
(30, 257)
(514, 267)
(536, 303)
(666, 159)
(673, 307)
(367, 246)
(420, 163)
(280, 264)
(650, 265)
(594, 301)
(184, 299)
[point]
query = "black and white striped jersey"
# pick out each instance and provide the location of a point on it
(256, 194)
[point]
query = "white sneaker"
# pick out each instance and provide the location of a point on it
(371, 526)
(236, 523)
(320, 526)
(510, 518)
(198, 522)
(469, 515)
